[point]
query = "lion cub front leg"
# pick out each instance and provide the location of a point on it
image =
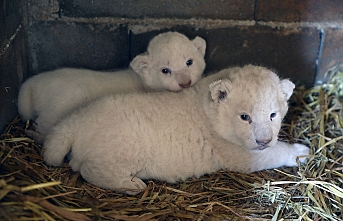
(294, 151)
(282, 154)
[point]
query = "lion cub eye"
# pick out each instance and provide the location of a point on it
(166, 71)
(189, 62)
(272, 115)
(246, 117)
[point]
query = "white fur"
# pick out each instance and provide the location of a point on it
(46, 97)
(118, 140)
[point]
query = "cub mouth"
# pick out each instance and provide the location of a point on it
(262, 147)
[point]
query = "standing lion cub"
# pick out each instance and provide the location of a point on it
(172, 62)
(229, 120)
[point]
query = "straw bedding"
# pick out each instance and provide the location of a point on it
(30, 190)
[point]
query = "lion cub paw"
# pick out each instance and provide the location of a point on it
(133, 185)
(301, 151)
(37, 137)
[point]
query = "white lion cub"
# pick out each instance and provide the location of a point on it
(172, 62)
(229, 120)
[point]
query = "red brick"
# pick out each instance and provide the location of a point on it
(83, 45)
(214, 9)
(292, 53)
(300, 10)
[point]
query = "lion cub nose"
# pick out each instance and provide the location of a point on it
(263, 142)
(186, 85)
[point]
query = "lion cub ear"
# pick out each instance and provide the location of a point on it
(219, 90)
(140, 64)
(287, 88)
(200, 44)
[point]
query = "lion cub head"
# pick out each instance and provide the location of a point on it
(247, 106)
(172, 62)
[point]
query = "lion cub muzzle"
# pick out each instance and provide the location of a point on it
(262, 144)
(183, 79)
(186, 85)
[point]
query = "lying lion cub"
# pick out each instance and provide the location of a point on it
(172, 62)
(229, 120)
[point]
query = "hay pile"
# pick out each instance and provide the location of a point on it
(30, 190)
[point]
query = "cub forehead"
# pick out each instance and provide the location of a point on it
(261, 88)
(169, 41)
(253, 99)
(175, 52)
(254, 76)
(249, 87)
(166, 37)
(262, 91)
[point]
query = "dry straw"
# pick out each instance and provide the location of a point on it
(30, 190)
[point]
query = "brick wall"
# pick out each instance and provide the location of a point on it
(300, 39)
